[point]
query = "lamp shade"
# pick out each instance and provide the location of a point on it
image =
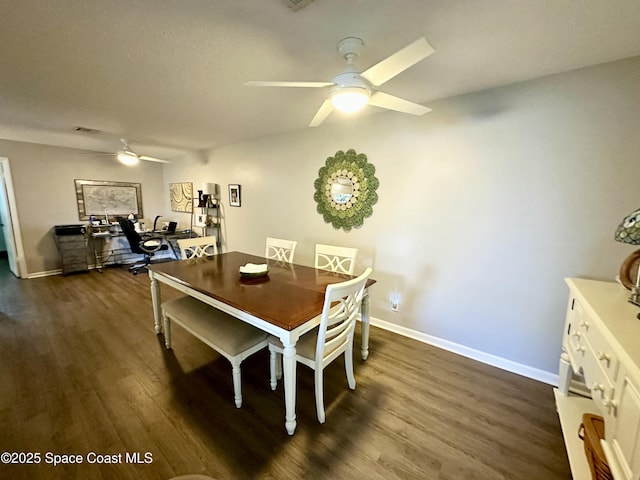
(629, 230)
(212, 189)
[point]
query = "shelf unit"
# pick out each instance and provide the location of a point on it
(206, 216)
(570, 409)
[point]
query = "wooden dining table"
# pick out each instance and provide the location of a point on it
(286, 303)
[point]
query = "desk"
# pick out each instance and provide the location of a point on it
(100, 236)
(286, 303)
(171, 238)
(97, 246)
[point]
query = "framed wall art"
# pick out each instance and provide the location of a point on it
(234, 195)
(181, 197)
(108, 200)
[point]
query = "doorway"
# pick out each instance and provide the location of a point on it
(9, 226)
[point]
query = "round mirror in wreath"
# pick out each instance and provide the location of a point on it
(345, 190)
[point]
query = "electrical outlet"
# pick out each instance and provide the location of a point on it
(395, 300)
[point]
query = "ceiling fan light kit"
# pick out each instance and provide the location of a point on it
(351, 91)
(127, 158)
(349, 99)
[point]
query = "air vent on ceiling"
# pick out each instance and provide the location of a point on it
(85, 130)
(297, 4)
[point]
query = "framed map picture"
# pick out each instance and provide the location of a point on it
(108, 200)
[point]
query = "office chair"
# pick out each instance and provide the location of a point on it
(147, 247)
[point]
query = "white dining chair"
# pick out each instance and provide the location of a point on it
(336, 259)
(229, 336)
(198, 246)
(279, 249)
(333, 337)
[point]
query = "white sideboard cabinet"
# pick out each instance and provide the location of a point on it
(601, 347)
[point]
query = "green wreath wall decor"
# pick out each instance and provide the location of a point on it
(345, 190)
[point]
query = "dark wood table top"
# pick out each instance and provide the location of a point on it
(287, 297)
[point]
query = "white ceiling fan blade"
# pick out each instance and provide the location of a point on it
(323, 112)
(152, 159)
(384, 100)
(398, 62)
(95, 153)
(260, 83)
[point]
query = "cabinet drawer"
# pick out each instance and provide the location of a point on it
(78, 240)
(75, 267)
(74, 256)
(577, 350)
(603, 353)
(601, 386)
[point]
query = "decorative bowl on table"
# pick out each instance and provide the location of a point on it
(253, 270)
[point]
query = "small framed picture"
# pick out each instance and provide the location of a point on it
(202, 220)
(234, 195)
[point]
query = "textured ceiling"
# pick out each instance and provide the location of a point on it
(169, 74)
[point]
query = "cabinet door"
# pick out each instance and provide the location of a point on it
(574, 335)
(625, 437)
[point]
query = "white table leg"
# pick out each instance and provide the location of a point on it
(155, 301)
(289, 374)
(364, 311)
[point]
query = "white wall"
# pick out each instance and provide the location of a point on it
(486, 204)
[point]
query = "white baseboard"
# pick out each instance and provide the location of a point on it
(45, 273)
(487, 358)
(58, 271)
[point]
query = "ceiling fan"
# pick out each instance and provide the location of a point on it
(351, 91)
(128, 156)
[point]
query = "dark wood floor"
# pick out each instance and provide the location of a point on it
(83, 372)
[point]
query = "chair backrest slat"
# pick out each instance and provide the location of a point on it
(336, 259)
(198, 247)
(279, 249)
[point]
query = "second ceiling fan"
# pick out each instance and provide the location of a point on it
(128, 156)
(351, 90)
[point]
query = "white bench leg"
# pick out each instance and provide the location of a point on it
(273, 357)
(278, 366)
(237, 384)
(167, 331)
